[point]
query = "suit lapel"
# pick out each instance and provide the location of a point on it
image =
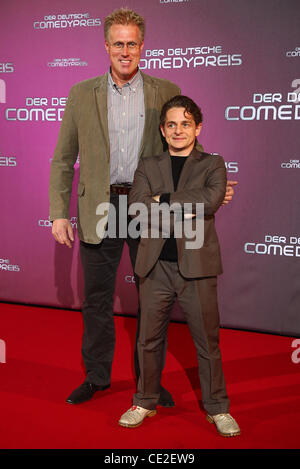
(100, 92)
(188, 168)
(150, 99)
(164, 163)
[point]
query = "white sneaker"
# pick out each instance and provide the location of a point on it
(135, 416)
(225, 423)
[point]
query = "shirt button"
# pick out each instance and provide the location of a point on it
(123, 113)
(122, 150)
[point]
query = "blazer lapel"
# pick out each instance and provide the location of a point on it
(150, 98)
(100, 92)
(164, 163)
(188, 168)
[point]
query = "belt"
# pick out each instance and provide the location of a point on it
(120, 189)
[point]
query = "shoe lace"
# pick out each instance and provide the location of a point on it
(226, 417)
(133, 408)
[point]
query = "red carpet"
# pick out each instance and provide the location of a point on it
(43, 365)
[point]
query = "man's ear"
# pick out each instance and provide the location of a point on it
(162, 130)
(198, 129)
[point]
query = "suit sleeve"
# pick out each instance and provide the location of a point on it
(211, 194)
(62, 167)
(141, 190)
(149, 213)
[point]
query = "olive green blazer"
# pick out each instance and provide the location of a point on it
(84, 130)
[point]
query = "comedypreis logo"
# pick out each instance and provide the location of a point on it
(267, 105)
(169, 2)
(7, 161)
(292, 164)
(189, 57)
(67, 21)
(7, 266)
(7, 67)
(38, 109)
(275, 245)
(293, 53)
(67, 63)
(46, 223)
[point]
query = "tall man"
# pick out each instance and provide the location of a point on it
(179, 267)
(112, 121)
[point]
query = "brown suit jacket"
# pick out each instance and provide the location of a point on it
(84, 129)
(203, 180)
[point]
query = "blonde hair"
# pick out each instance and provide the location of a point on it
(124, 16)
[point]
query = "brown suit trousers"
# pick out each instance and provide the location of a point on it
(198, 299)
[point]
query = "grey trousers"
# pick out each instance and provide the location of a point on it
(198, 299)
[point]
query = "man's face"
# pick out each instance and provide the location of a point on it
(124, 48)
(180, 131)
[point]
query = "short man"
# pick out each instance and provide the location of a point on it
(112, 120)
(167, 268)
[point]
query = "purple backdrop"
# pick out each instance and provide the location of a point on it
(239, 60)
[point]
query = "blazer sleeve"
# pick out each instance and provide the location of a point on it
(62, 167)
(141, 190)
(149, 213)
(211, 194)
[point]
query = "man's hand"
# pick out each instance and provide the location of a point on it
(229, 192)
(62, 231)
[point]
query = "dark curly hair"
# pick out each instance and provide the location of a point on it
(181, 101)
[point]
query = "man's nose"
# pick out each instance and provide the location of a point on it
(178, 129)
(125, 50)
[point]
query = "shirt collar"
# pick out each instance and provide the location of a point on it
(133, 84)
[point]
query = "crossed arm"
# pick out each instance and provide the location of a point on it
(63, 232)
(228, 195)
